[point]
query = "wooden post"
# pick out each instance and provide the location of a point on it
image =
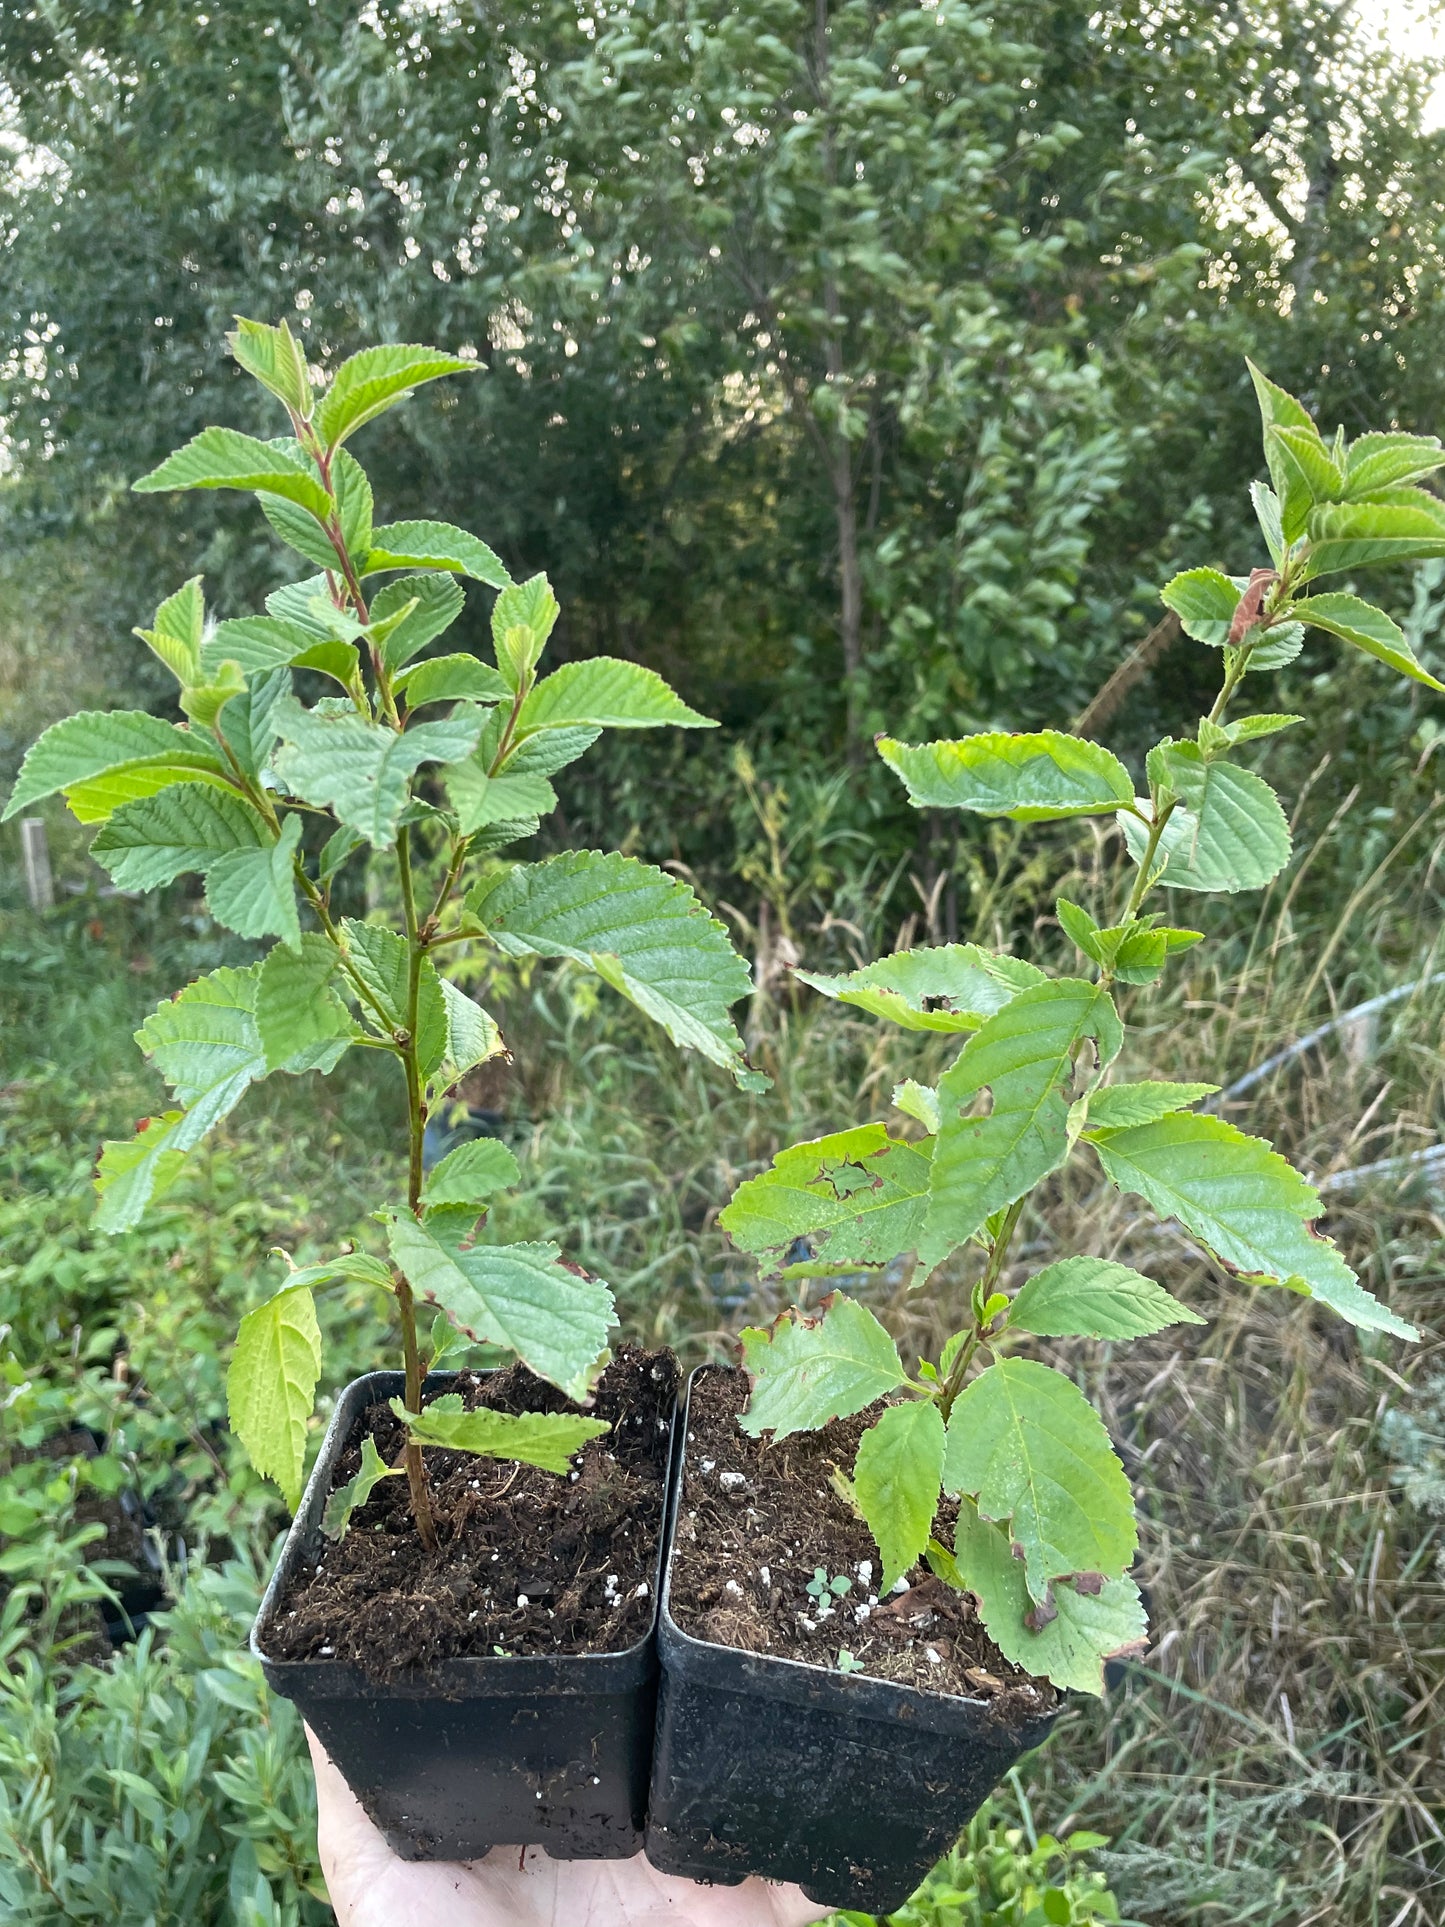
(35, 852)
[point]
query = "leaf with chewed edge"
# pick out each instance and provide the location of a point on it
(951, 987)
(857, 1196)
(1083, 1628)
(809, 1369)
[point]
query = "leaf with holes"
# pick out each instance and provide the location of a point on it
(952, 987)
(1083, 1626)
(1024, 1056)
(857, 1198)
(807, 1369)
(1025, 1443)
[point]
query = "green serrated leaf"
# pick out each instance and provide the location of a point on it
(642, 931)
(1367, 628)
(130, 1174)
(361, 770)
(606, 692)
(449, 679)
(349, 1498)
(275, 358)
(434, 545)
(1031, 779)
(952, 987)
(271, 1386)
(918, 1101)
(1280, 410)
(253, 892)
(435, 603)
(858, 1197)
(257, 644)
(1025, 1443)
(1398, 525)
(479, 800)
(807, 1369)
(1204, 601)
(1245, 1202)
(896, 1479)
(1082, 1631)
(472, 1034)
(367, 384)
(1231, 833)
(523, 617)
(1312, 475)
(186, 827)
(176, 635)
(471, 1174)
(1247, 729)
(345, 1267)
(1024, 1056)
(1386, 461)
(1094, 1298)
(224, 458)
(296, 1004)
(101, 743)
(249, 721)
(555, 1319)
(205, 1044)
(1119, 1104)
(550, 1440)
(1271, 527)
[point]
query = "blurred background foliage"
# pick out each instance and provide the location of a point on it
(856, 367)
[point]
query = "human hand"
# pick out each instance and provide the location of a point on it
(370, 1887)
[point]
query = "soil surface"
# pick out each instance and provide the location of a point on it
(527, 1561)
(757, 1522)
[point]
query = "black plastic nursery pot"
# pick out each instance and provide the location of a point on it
(519, 1750)
(853, 1788)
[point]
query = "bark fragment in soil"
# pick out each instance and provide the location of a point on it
(758, 1521)
(527, 1561)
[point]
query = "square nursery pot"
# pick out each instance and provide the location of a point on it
(529, 1750)
(851, 1787)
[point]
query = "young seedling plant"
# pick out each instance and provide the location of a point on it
(269, 799)
(1046, 1528)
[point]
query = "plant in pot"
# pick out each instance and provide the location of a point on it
(464, 1608)
(880, 1580)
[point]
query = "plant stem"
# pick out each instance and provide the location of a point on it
(416, 1127)
(997, 1254)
